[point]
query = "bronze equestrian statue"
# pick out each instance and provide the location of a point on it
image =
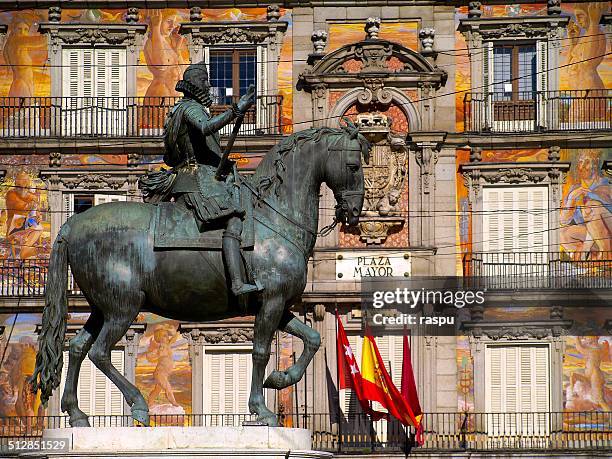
(115, 258)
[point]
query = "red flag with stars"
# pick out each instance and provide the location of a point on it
(349, 376)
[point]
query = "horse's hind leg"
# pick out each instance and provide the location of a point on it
(79, 345)
(116, 323)
(312, 341)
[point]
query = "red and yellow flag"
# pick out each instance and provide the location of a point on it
(377, 384)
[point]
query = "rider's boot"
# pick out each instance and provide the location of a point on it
(233, 259)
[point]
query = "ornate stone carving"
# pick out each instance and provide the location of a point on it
(195, 14)
(92, 36)
(133, 159)
(476, 155)
(474, 10)
(229, 335)
(374, 57)
(554, 153)
(374, 93)
(385, 178)
(55, 159)
(514, 175)
(319, 41)
(553, 7)
(55, 14)
(516, 332)
(273, 12)
(93, 181)
(132, 15)
(318, 312)
(234, 35)
(426, 35)
(372, 28)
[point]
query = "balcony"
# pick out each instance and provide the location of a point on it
(542, 111)
(115, 117)
(357, 434)
(538, 270)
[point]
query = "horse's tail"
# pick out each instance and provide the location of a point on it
(49, 359)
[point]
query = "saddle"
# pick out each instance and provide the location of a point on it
(176, 227)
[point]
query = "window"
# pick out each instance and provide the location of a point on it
(514, 71)
(231, 73)
(97, 395)
(94, 91)
(517, 380)
(515, 219)
(80, 202)
(227, 376)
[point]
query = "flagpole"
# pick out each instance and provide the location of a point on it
(338, 384)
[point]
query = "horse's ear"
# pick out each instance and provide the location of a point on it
(350, 127)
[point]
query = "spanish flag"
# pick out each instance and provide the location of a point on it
(377, 385)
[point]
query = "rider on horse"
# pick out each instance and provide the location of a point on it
(193, 149)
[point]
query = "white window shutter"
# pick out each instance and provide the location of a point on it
(116, 397)
(487, 84)
(228, 372)
(68, 205)
(104, 198)
(542, 82)
(261, 66)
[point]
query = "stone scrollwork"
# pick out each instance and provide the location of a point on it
(517, 332)
(219, 335)
(127, 34)
(234, 35)
(385, 178)
(374, 56)
(374, 92)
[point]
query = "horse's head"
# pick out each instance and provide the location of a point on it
(344, 174)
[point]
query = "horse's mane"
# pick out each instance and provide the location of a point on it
(270, 173)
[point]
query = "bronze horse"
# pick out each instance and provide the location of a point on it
(111, 254)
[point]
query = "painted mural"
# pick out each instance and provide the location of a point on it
(17, 360)
(586, 207)
(24, 217)
(163, 371)
(404, 33)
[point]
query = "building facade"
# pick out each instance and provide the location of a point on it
(490, 126)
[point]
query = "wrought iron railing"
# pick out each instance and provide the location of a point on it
(535, 111)
(543, 270)
(357, 433)
(22, 117)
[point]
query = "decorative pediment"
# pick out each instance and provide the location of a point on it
(90, 34)
(382, 60)
(496, 331)
(205, 334)
(478, 174)
(514, 27)
(89, 179)
(233, 32)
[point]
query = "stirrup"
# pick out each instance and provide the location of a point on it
(245, 288)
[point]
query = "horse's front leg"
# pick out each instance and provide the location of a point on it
(311, 339)
(266, 323)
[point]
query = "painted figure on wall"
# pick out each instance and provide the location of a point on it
(165, 50)
(163, 369)
(23, 50)
(586, 211)
(24, 229)
(586, 43)
(587, 389)
(160, 351)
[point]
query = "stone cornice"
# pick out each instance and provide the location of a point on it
(232, 32)
(513, 173)
(91, 179)
(496, 331)
(121, 34)
(499, 28)
(218, 333)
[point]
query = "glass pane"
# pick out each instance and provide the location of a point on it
(82, 203)
(527, 71)
(502, 72)
(248, 70)
(220, 69)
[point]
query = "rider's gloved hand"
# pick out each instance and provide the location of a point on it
(247, 100)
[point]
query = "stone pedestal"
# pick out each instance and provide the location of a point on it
(174, 442)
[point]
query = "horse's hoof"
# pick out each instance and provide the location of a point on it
(269, 419)
(141, 416)
(277, 380)
(79, 422)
